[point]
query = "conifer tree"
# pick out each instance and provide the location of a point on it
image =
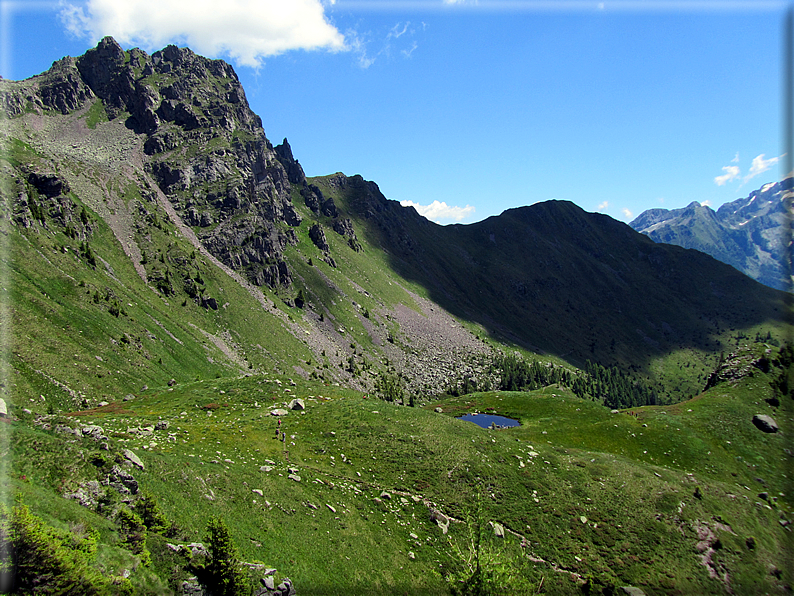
(223, 574)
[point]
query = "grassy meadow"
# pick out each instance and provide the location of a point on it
(586, 495)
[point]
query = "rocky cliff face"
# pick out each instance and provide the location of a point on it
(204, 146)
(752, 234)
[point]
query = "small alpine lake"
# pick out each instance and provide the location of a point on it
(486, 420)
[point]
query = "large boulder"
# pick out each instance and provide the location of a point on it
(440, 519)
(297, 404)
(3, 408)
(93, 431)
(132, 458)
(765, 423)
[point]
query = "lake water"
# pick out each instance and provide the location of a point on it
(485, 420)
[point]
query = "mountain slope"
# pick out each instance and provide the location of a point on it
(170, 279)
(161, 157)
(557, 280)
(752, 234)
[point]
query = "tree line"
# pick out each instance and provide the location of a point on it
(609, 385)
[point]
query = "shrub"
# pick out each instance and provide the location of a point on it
(150, 513)
(389, 387)
(133, 533)
(37, 558)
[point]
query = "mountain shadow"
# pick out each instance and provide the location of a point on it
(553, 278)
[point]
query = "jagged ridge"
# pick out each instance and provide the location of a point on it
(753, 234)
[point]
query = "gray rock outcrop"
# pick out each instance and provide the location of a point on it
(317, 235)
(122, 481)
(344, 227)
(285, 588)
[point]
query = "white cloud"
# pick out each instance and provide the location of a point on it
(603, 206)
(244, 30)
(735, 158)
(706, 204)
(398, 30)
(407, 53)
(369, 47)
(627, 214)
(731, 173)
(358, 46)
(760, 165)
(437, 211)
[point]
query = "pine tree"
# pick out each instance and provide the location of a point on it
(223, 574)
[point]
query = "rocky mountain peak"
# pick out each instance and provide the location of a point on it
(231, 186)
(750, 233)
(291, 165)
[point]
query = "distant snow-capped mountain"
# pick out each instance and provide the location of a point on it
(752, 234)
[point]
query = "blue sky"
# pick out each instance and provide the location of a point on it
(474, 107)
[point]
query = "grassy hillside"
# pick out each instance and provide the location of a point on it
(661, 497)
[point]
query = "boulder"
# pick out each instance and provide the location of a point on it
(297, 404)
(161, 425)
(209, 302)
(3, 408)
(95, 432)
(132, 458)
(440, 519)
(439, 410)
(632, 591)
(285, 588)
(278, 412)
(498, 530)
(765, 423)
(87, 494)
(192, 587)
(48, 184)
(62, 428)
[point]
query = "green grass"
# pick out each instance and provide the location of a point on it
(96, 114)
(635, 485)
